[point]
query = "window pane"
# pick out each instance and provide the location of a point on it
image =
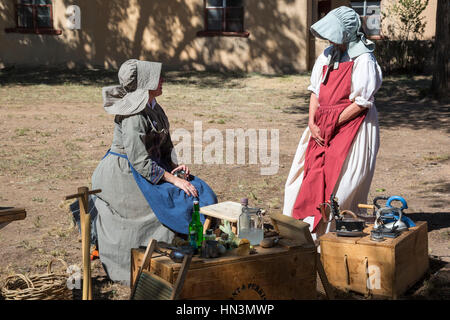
(235, 3)
(214, 3)
(234, 19)
(214, 19)
(43, 17)
(42, 2)
(25, 17)
(358, 6)
(373, 9)
(235, 26)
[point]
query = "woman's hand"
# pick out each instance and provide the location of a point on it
(316, 134)
(182, 167)
(184, 185)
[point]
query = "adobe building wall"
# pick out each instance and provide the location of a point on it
(115, 30)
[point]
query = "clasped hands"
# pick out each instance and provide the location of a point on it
(183, 184)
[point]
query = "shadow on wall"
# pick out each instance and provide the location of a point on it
(276, 35)
(107, 37)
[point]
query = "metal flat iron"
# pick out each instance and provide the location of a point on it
(390, 221)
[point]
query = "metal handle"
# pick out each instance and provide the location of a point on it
(344, 212)
(397, 198)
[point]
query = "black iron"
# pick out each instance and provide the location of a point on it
(346, 227)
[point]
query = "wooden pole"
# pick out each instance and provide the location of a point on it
(85, 224)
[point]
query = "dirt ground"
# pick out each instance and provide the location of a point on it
(54, 131)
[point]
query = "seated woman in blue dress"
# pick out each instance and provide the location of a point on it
(141, 197)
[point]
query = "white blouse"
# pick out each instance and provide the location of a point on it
(366, 77)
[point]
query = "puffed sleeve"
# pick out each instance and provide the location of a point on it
(316, 75)
(366, 80)
(134, 129)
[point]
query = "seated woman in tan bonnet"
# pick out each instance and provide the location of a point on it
(141, 197)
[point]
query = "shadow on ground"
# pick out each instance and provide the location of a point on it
(101, 77)
(401, 102)
(405, 102)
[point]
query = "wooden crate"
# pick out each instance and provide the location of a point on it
(386, 269)
(287, 271)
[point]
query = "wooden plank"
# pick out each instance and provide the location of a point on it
(12, 214)
(10, 211)
(411, 259)
(290, 276)
(291, 228)
(228, 210)
(324, 279)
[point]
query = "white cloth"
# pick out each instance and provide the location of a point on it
(357, 172)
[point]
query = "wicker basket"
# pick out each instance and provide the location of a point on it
(49, 286)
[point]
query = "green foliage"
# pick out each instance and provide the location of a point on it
(403, 50)
(405, 19)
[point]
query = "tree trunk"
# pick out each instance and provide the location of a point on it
(439, 85)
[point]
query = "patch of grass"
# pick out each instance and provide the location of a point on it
(437, 158)
(41, 263)
(70, 146)
(58, 253)
(37, 199)
(20, 132)
(26, 245)
(37, 222)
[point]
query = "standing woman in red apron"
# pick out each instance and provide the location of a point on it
(338, 149)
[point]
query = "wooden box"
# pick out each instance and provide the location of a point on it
(287, 271)
(386, 269)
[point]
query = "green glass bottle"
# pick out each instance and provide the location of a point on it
(196, 225)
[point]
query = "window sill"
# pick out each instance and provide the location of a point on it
(378, 37)
(244, 34)
(49, 31)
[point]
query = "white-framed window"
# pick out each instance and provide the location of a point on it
(370, 12)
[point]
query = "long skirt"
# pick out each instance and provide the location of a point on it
(125, 220)
(356, 175)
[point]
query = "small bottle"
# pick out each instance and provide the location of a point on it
(209, 235)
(196, 224)
(250, 225)
(244, 218)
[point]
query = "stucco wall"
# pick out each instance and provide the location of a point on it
(115, 30)
(166, 30)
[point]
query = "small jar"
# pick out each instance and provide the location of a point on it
(209, 235)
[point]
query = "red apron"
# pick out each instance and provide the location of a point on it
(323, 165)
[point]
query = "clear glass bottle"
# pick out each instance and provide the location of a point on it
(250, 226)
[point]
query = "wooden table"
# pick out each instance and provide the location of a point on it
(386, 268)
(287, 271)
(227, 210)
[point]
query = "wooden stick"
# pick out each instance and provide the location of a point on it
(78, 195)
(366, 206)
(85, 224)
(207, 224)
(85, 239)
(323, 277)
